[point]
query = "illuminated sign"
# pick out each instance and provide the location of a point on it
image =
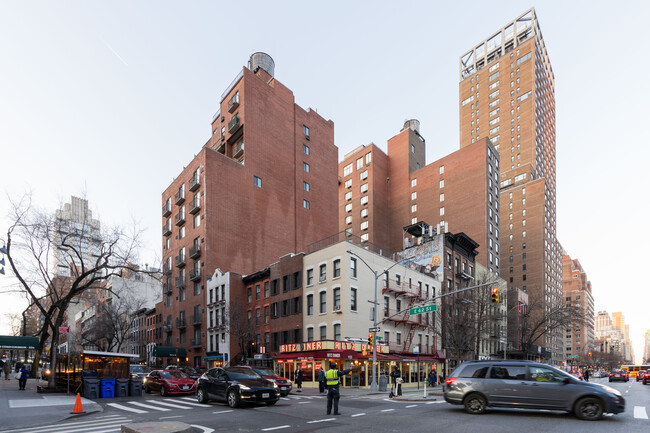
(329, 345)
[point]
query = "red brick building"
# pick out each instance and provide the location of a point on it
(262, 186)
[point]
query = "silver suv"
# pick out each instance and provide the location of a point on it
(529, 385)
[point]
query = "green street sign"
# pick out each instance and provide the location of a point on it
(572, 357)
(421, 310)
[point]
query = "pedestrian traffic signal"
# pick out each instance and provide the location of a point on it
(370, 342)
(495, 295)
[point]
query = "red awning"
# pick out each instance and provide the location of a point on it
(322, 354)
(384, 357)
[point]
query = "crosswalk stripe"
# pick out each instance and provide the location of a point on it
(130, 409)
(411, 405)
(639, 412)
(114, 429)
(358, 414)
(188, 398)
(165, 403)
(148, 406)
(86, 424)
(182, 402)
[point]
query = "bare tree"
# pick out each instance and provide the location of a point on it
(32, 238)
(240, 329)
(15, 323)
(488, 316)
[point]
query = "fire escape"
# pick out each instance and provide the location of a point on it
(412, 295)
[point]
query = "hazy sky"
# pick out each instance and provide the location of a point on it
(112, 99)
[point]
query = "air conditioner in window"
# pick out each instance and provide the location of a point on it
(337, 308)
(322, 278)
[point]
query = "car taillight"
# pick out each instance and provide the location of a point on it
(450, 380)
(611, 374)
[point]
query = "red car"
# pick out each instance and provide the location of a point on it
(283, 383)
(639, 375)
(169, 382)
(646, 377)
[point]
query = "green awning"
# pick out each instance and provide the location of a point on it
(169, 351)
(9, 342)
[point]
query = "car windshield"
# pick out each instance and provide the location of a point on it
(265, 372)
(190, 370)
(173, 374)
(140, 369)
(242, 373)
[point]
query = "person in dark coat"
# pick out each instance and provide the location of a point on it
(586, 375)
(23, 378)
(433, 378)
(396, 374)
(321, 381)
(332, 380)
(299, 379)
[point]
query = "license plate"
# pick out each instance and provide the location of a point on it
(185, 387)
(265, 395)
(618, 375)
(283, 388)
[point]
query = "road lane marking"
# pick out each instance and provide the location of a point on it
(164, 403)
(130, 409)
(284, 398)
(411, 405)
(320, 420)
(276, 428)
(170, 417)
(437, 401)
(185, 402)
(639, 412)
(223, 411)
(148, 406)
(87, 424)
(387, 410)
(304, 402)
(205, 429)
(358, 414)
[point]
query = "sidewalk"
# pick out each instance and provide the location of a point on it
(28, 408)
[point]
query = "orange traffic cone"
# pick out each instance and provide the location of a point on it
(78, 408)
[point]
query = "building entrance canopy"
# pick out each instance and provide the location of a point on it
(20, 343)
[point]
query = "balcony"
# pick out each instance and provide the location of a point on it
(195, 182)
(179, 219)
(196, 320)
(221, 146)
(167, 269)
(195, 343)
(238, 150)
(195, 275)
(180, 261)
(233, 124)
(167, 229)
(195, 252)
(167, 327)
(180, 323)
(195, 206)
(167, 288)
(167, 209)
(180, 283)
(233, 103)
(179, 197)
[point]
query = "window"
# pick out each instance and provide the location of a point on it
(337, 298)
(310, 305)
(364, 237)
(337, 268)
(360, 163)
(266, 289)
(257, 181)
(249, 292)
(347, 170)
(348, 196)
(305, 186)
(442, 183)
(509, 372)
(353, 299)
(364, 200)
(305, 167)
(442, 211)
(323, 332)
(364, 188)
(414, 182)
(414, 208)
(368, 158)
(363, 175)
(306, 204)
(398, 338)
(181, 233)
(310, 334)
(364, 213)
(348, 207)
(353, 267)
(310, 277)
(442, 197)
(442, 169)
(322, 276)
(337, 332)
(305, 149)
(305, 130)
(414, 195)
(364, 225)
(348, 219)
(348, 183)
(323, 302)
(258, 291)
(197, 220)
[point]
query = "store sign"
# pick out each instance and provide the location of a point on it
(329, 345)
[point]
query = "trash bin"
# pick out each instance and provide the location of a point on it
(107, 388)
(383, 383)
(122, 387)
(135, 387)
(91, 388)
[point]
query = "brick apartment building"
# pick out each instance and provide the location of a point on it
(381, 194)
(507, 81)
(262, 186)
(579, 337)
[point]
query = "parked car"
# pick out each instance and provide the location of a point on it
(169, 382)
(529, 385)
(138, 370)
(283, 383)
(646, 377)
(639, 375)
(596, 374)
(619, 375)
(236, 386)
(192, 372)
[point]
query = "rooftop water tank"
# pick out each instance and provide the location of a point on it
(413, 124)
(262, 61)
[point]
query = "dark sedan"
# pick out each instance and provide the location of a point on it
(618, 375)
(236, 386)
(283, 383)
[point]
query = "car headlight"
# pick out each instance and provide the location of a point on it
(612, 390)
(47, 371)
(275, 385)
(244, 388)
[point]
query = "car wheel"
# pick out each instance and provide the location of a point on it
(233, 398)
(589, 409)
(201, 397)
(475, 404)
(610, 380)
(147, 390)
(163, 391)
(271, 403)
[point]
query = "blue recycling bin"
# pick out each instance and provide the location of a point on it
(107, 388)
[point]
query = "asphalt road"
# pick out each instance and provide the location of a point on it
(360, 413)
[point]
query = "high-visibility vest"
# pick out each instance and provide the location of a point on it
(332, 377)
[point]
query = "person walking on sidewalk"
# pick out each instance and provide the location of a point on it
(396, 376)
(299, 379)
(23, 378)
(321, 381)
(6, 368)
(433, 378)
(333, 395)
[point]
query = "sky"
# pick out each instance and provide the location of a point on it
(111, 99)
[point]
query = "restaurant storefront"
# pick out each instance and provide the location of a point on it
(315, 356)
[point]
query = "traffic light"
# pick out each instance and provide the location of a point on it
(495, 295)
(370, 342)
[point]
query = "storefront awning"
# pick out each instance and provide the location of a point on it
(169, 351)
(10, 342)
(382, 357)
(321, 354)
(223, 356)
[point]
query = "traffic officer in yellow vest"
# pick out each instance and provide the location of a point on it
(332, 381)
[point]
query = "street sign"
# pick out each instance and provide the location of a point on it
(572, 357)
(422, 310)
(64, 329)
(374, 330)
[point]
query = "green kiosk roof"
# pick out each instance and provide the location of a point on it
(168, 351)
(9, 342)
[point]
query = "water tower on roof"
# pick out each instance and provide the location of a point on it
(412, 124)
(262, 61)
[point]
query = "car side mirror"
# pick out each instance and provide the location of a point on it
(566, 380)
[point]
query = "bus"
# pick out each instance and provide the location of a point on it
(633, 370)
